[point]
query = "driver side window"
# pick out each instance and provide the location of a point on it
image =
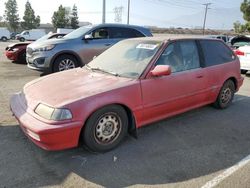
(101, 33)
(180, 56)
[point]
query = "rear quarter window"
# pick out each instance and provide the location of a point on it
(125, 33)
(216, 52)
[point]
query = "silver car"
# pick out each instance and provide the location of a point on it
(79, 47)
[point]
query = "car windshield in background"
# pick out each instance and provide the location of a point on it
(78, 32)
(127, 58)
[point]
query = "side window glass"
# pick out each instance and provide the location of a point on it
(190, 55)
(215, 52)
(101, 33)
(172, 56)
(125, 33)
(181, 56)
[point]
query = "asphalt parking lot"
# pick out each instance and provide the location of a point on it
(205, 148)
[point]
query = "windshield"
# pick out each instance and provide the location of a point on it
(43, 38)
(128, 58)
(78, 32)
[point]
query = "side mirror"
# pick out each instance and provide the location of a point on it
(161, 70)
(88, 37)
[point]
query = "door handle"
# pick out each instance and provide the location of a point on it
(108, 44)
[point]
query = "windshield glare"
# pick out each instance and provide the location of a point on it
(78, 32)
(127, 58)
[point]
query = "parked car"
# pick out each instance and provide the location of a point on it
(79, 47)
(4, 34)
(32, 34)
(13, 35)
(239, 40)
(225, 38)
(134, 83)
(243, 53)
(17, 51)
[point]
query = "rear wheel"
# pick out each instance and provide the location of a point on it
(105, 128)
(65, 62)
(226, 95)
(4, 39)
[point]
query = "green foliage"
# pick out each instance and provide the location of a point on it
(11, 16)
(60, 18)
(245, 9)
(30, 20)
(74, 23)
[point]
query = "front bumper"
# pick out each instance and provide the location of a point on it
(11, 55)
(46, 136)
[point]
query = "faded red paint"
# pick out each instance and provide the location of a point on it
(83, 92)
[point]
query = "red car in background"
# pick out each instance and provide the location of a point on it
(130, 85)
(17, 51)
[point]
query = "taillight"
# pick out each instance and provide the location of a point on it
(238, 52)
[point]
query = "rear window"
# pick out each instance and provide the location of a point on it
(125, 33)
(215, 52)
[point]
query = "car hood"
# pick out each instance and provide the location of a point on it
(38, 44)
(18, 44)
(63, 88)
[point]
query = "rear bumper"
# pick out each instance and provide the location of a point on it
(46, 136)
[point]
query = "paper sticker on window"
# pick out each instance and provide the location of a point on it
(147, 46)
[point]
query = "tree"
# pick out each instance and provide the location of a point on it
(245, 9)
(60, 18)
(237, 27)
(11, 16)
(74, 23)
(30, 21)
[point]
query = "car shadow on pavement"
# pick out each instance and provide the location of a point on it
(187, 146)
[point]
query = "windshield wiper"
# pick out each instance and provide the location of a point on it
(102, 70)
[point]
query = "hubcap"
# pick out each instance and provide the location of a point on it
(226, 95)
(107, 129)
(66, 64)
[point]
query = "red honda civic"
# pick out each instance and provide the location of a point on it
(132, 84)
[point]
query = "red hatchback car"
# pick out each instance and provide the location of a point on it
(134, 83)
(17, 52)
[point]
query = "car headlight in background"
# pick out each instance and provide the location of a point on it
(50, 113)
(44, 48)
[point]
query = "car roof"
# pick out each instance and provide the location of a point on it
(175, 37)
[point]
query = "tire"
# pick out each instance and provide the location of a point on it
(4, 39)
(22, 57)
(22, 39)
(64, 62)
(243, 71)
(105, 128)
(226, 95)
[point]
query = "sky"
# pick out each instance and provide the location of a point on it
(160, 13)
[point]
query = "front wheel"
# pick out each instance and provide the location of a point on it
(22, 39)
(105, 128)
(226, 95)
(65, 62)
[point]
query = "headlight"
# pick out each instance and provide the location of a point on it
(50, 113)
(44, 48)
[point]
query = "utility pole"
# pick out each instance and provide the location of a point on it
(205, 17)
(128, 12)
(104, 11)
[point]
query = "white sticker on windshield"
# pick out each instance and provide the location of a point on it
(147, 46)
